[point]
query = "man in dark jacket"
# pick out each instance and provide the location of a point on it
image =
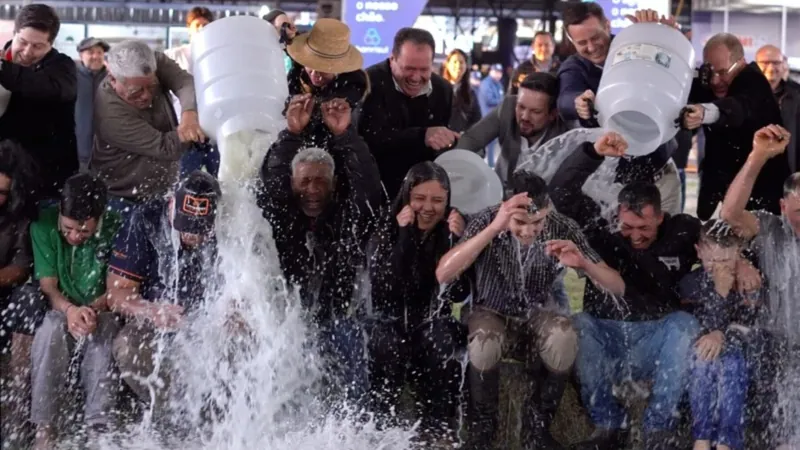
(320, 205)
(43, 86)
(91, 71)
(542, 60)
(771, 61)
(404, 119)
(737, 102)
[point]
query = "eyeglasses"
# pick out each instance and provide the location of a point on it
(774, 63)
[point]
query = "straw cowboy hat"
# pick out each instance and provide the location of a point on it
(326, 48)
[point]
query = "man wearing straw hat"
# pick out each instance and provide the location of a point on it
(328, 70)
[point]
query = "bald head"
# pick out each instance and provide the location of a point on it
(726, 41)
(770, 59)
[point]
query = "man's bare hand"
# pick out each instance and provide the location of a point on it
(189, 128)
(440, 138)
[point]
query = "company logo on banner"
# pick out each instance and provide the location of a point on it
(373, 24)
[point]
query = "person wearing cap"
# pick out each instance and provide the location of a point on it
(327, 67)
(490, 94)
(41, 112)
(139, 140)
(91, 71)
(162, 262)
(71, 244)
(200, 154)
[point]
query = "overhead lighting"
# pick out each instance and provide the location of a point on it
(263, 11)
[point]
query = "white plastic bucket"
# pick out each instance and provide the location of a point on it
(646, 82)
(241, 88)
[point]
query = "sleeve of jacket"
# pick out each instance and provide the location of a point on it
(566, 187)
(478, 136)
(137, 135)
(55, 79)
(276, 175)
(351, 153)
(572, 83)
(177, 80)
(749, 104)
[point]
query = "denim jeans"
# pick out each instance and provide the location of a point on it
(610, 352)
(199, 156)
(344, 341)
(718, 391)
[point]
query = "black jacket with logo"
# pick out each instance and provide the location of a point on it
(651, 276)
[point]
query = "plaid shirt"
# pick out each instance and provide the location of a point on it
(513, 279)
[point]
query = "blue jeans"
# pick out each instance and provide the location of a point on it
(199, 156)
(718, 391)
(610, 352)
(345, 342)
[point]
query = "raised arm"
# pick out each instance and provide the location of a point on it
(768, 142)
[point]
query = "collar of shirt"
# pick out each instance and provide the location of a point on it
(426, 91)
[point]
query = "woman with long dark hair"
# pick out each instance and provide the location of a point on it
(466, 110)
(413, 330)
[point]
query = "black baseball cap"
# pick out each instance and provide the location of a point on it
(90, 42)
(196, 199)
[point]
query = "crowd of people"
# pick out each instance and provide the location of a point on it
(109, 198)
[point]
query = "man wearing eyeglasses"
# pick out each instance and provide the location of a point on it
(731, 102)
(772, 62)
(138, 140)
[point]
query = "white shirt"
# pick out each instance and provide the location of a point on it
(183, 57)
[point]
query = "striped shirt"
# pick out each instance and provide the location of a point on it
(513, 279)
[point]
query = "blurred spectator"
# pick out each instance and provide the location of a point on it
(43, 84)
(286, 30)
(404, 119)
(773, 63)
(200, 154)
(71, 244)
(154, 280)
(138, 141)
(466, 110)
(736, 103)
(327, 67)
(522, 124)
(91, 72)
(542, 60)
(490, 94)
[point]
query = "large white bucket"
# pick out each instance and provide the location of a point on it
(646, 82)
(241, 88)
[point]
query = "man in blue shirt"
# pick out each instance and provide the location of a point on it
(159, 270)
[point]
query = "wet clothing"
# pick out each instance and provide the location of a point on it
(81, 270)
(321, 255)
(748, 106)
(145, 252)
(41, 116)
(88, 83)
(351, 86)
(15, 246)
(136, 152)
(713, 311)
(394, 124)
(511, 279)
(652, 275)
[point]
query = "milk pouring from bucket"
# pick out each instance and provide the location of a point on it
(241, 87)
(645, 85)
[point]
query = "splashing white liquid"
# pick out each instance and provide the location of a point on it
(263, 376)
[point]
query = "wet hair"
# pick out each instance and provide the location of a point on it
(577, 13)
(415, 36)
(199, 12)
(420, 173)
(543, 82)
(16, 165)
(791, 185)
(83, 197)
(464, 94)
(638, 195)
(729, 41)
(719, 233)
(314, 155)
(40, 17)
(533, 185)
